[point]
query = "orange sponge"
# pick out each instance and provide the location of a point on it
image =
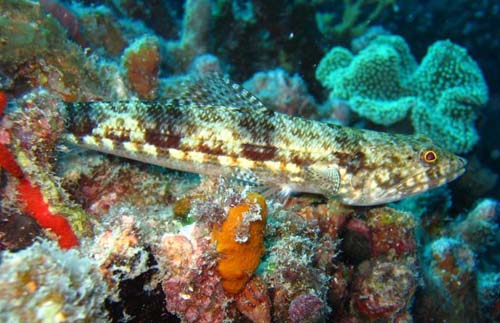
(240, 242)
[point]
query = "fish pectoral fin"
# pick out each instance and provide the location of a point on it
(247, 177)
(279, 194)
(327, 177)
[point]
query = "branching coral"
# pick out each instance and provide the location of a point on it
(194, 36)
(356, 17)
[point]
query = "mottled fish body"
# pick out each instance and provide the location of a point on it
(215, 127)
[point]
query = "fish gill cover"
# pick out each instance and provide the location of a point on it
(196, 199)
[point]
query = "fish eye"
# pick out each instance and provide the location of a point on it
(429, 156)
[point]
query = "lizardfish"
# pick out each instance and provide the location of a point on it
(216, 127)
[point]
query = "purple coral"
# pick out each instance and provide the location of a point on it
(306, 308)
(383, 290)
(284, 93)
(191, 284)
(205, 64)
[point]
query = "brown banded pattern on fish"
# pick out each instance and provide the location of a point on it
(215, 127)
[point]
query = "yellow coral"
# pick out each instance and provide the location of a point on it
(240, 256)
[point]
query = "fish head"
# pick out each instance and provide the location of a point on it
(390, 167)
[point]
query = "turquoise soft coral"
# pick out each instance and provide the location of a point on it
(451, 84)
(383, 82)
(375, 81)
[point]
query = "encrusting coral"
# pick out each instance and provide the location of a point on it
(383, 290)
(254, 302)
(41, 54)
(450, 273)
(142, 64)
(191, 283)
(209, 264)
(383, 83)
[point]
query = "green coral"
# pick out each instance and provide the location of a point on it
(355, 18)
(383, 83)
(451, 84)
(375, 81)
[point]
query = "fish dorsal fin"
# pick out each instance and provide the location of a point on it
(215, 89)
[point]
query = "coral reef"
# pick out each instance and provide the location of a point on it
(306, 308)
(391, 232)
(297, 280)
(85, 236)
(457, 254)
(383, 83)
(479, 228)
(450, 274)
(204, 64)
(488, 286)
(383, 289)
(65, 17)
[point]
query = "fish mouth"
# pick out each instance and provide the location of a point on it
(462, 167)
(402, 190)
(457, 168)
